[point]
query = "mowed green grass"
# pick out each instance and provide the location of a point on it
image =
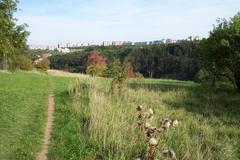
(93, 124)
(23, 112)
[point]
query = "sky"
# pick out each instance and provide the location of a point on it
(93, 21)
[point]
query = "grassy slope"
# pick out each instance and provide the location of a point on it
(69, 139)
(96, 125)
(23, 110)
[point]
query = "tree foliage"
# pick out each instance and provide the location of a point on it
(13, 37)
(118, 73)
(177, 61)
(96, 64)
(43, 65)
(221, 51)
(72, 62)
(22, 62)
(114, 68)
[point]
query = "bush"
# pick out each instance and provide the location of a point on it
(128, 69)
(202, 76)
(138, 75)
(114, 68)
(43, 65)
(118, 73)
(22, 62)
(96, 70)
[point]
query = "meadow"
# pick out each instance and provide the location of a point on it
(90, 123)
(23, 113)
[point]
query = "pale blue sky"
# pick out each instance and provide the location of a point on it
(94, 21)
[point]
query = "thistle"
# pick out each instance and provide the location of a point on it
(149, 133)
(168, 153)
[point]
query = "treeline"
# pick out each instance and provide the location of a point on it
(177, 61)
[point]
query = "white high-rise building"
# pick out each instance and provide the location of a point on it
(107, 43)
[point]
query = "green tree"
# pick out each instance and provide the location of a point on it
(13, 37)
(114, 68)
(118, 73)
(221, 51)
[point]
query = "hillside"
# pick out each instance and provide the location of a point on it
(90, 123)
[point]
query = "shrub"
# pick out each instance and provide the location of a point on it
(118, 73)
(96, 58)
(96, 64)
(43, 65)
(138, 75)
(114, 68)
(96, 70)
(128, 69)
(22, 62)
(202, 76)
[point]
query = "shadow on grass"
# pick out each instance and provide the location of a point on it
(164, 87)
(222, 102)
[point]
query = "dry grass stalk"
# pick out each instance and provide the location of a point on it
(149, 133)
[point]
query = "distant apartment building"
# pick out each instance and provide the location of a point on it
(42, 47)
(63, 50)
(61, 45)
(127, 43)
(117, 43)
(157, 42)
(78, 45)
(107, 43)
(140, 43)
(170, 41)
(194, 38)
(52, 48)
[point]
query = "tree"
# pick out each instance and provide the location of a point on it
(128, 69)
(175, 61)
(118, 73)
(96, 64)
(13, 37)
(209, 59)
(114, 68)
(222, 50)
(72, 62)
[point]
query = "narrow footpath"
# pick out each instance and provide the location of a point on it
(51, 105)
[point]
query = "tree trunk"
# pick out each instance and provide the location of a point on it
(237, 80)
(214, 80)
(1, 62)
(4, 63)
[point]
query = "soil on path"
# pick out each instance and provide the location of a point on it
(43, 153)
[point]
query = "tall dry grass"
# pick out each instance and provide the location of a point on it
(207, 129)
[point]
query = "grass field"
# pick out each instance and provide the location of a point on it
(93, 124)
(23, 111)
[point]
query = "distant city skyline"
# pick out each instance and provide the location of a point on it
(94, 21)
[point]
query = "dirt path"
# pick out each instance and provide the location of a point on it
(48, 130)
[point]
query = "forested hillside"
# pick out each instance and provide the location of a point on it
(176, 61)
